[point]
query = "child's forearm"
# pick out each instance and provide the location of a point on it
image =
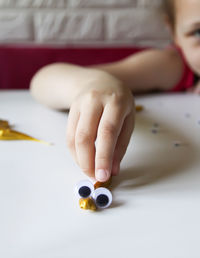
(148, 70)
(57, 85)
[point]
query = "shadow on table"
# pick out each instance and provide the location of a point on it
(159, 163)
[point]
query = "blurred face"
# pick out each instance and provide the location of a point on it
(187, 31)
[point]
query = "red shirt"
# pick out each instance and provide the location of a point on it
(188, 78)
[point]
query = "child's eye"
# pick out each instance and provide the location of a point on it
(196, 33)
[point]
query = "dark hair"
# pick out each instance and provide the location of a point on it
(168, 9)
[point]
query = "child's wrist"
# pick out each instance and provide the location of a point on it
(98, 80)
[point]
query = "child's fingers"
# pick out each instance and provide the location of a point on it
(86, 135)
(72, 122)
(122, 142)
(108, 132)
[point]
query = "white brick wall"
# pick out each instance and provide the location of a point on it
(82, 22)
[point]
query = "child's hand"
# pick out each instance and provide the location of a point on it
(102, 112)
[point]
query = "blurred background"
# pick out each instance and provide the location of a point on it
(34, 33)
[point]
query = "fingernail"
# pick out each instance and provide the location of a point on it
(102, 175)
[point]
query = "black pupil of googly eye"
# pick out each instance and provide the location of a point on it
(102, 200)
(84, 191)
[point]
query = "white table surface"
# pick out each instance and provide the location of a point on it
(156, 208)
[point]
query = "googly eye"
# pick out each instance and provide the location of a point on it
(84, 188)
(102, 197)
